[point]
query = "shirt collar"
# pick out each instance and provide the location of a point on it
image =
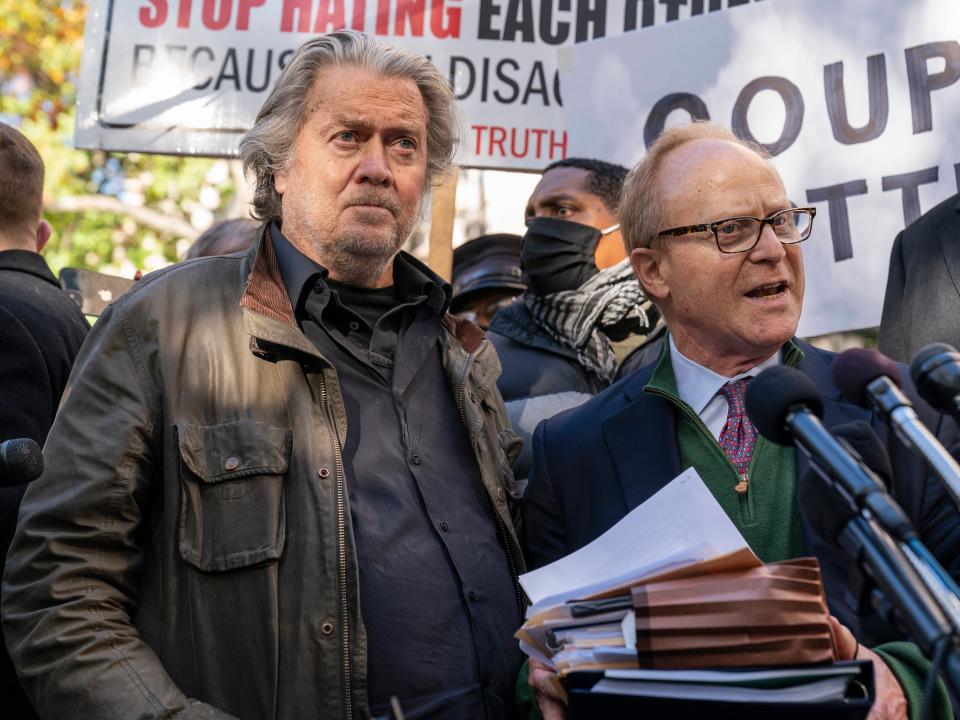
(698, 385)
(412, 278)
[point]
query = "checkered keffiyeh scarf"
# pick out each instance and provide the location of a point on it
(577, 318)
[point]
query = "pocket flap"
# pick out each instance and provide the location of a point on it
(234, 450)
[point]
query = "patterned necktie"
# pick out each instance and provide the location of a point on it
(739, 435)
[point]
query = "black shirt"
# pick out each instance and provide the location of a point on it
(437, 597)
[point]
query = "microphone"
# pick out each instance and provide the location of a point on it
(936, 372)
(871, 378)
(21, 461)
(785, 406)
(784, 403)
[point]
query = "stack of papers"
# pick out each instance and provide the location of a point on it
(674, 585)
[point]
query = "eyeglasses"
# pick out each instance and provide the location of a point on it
(741, 234)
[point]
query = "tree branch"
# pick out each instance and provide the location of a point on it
(153, 219)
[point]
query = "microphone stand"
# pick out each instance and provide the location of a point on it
(924, 604)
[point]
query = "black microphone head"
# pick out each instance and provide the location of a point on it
(824, 507)
(21, 461)
(773, 393)
(854, 369)
(936, 372)
(861, 437)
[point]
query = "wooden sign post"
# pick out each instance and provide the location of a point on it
(443, 210)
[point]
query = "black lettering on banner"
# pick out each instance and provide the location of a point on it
(488, 11)
(456, 60)
(630, 14)
(518, 22)
(877, 100)
(193, 66)
(696, 6)
(657, 118)
(956, 171)
(266, 71)
(139, 63)
(541, 85)
(591, 21)
(234, 72)
(793, 104)
(284, 56)
(909, 183)
(547, 33)
(836, 198)
(508, 81)
(673, 8)
(922, 82)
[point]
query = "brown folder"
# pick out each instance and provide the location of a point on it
(774, 614)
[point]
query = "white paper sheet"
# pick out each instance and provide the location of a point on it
(680, 524)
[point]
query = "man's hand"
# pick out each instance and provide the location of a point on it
(890, 703)
(547, 690)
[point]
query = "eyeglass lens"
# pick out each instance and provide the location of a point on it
(738, 234)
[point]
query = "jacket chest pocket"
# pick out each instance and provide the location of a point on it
(232, 511)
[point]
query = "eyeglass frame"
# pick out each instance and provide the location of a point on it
(712, 227)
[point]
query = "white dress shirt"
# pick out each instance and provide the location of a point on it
(699, 387)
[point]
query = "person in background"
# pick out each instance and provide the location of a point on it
(486, 277)
(583, 314)
(41, 331)
(922, 301)
(279, 485)
(716, 243)
(223, 238)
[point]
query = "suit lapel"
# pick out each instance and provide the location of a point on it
(950, 245)
(642, 440)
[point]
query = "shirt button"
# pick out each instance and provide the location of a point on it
(444, 526)
(354, 325)
(472, 596)
(501, 495)
(231, 463)
(317, 289)
(326, 628)
(416, 460)
(323, 472)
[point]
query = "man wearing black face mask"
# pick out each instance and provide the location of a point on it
(583, 313)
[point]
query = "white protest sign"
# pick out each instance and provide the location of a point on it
(859, 101)
(188, 76)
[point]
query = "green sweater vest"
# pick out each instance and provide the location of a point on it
(766, 514)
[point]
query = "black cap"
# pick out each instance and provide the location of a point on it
(489, 261)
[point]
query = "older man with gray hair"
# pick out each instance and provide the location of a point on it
(279, 485)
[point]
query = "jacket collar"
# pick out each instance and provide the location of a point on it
(268, 314)
(641, 434)
(27, 262)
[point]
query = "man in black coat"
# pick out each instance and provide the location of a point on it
(41, 330)
(922, 303)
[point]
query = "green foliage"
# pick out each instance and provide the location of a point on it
(40, 51)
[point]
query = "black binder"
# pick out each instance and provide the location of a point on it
(587, 705)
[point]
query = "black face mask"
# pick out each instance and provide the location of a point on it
(558, 255)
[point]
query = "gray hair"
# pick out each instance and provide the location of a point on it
(641, 203)
(267, 148)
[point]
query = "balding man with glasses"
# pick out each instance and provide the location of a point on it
(716, 244)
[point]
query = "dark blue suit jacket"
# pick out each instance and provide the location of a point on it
(595, 463)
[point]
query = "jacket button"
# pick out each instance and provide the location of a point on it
(472, 596)
(444, 526)
(231, 463)
(501, 495)
(326, 628)
(323, 472)
(416, 460)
